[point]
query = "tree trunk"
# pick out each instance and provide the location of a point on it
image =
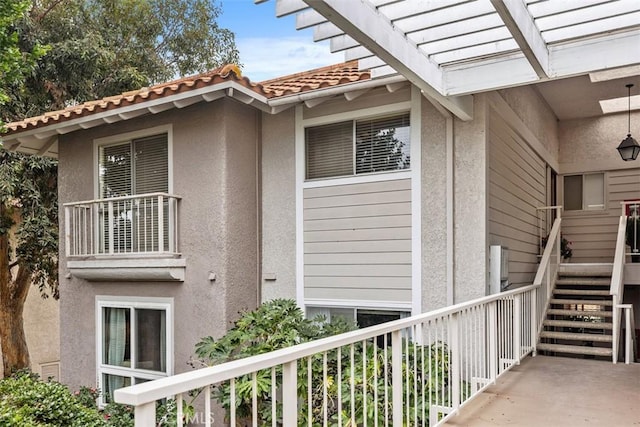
(13, 293)
(15, 353)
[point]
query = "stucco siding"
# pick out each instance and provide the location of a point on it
(278, 206)
(517, 182)
(357, 241)
(214, 173)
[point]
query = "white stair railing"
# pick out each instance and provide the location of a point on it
(415, 371)
(617, 283)
(548, 269)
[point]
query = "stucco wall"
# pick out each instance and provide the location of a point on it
(471, 167)
(434, 221)
(214, 164)
(279, 206)
(534, 111)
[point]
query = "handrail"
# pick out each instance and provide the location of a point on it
(616, 290)
(505, 345)
(554, 236)
(120, 198)
(618, 259)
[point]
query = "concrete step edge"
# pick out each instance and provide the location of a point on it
(581, 301)
(576, 336)
(577, 324)
(595, 313)
(575, 349)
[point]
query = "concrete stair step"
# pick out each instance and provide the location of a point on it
(582, 301)
(577, 324)
(597, 313)
(575, 349)
(585, 292)
(584, 281)
(587, 269)
(576, 337)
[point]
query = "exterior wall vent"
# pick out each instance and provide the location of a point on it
(498, 269)
(50, 370)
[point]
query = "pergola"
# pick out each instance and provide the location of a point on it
(451, 49)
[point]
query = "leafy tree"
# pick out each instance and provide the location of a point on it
(28, 245)
(99, 48)
(14, 63)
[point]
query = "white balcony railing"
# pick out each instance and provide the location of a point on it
(414, 371)
(140, 224)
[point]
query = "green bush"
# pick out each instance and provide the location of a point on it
(280, 323)
(28, 402)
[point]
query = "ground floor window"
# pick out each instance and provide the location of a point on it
(134, 341)
(364, 317)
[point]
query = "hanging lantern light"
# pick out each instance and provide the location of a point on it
(629, 148)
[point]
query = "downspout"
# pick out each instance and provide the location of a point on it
(450, 199)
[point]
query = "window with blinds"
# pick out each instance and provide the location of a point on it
(139, 166)
(358, 147)
(134, 168)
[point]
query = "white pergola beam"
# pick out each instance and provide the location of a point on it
(287, 7)
(519, 22)
(308, 18)
(370, 29)
(357, 52)
(325, 31)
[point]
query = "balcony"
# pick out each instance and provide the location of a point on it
(131, 238)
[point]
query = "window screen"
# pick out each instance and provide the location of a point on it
(573, 192)
(584, 192)
(329, 150)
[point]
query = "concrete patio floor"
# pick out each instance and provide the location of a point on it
(556, 391)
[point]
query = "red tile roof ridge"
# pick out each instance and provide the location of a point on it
(309, 73)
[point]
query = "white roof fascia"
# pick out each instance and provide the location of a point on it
(520, 23)
(335, 90)
(130, 110)
(366, 25)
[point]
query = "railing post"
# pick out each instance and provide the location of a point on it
(110, 222)
(290, 394)
(492, 314)
(533, 327)
(160, 224)
(627, 336)
(171, 233)
(145, 415)
(454, 337)
(396, 377)
(517, 327)
(615, 320)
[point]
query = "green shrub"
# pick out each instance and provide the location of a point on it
(280, 323)
(27, 401)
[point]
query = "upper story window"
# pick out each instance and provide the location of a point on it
(584, 192)
(358, 147)
(138, 166)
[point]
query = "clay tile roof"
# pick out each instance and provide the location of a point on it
(333, 75)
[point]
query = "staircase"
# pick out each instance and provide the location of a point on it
(579, 316)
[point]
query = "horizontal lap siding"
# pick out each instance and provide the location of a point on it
(516, 188)
(357, 242)
(593, 234)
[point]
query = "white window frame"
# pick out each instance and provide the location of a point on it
(127, 137)
(584, 209)
(406, 312)
(364, 114)
(149, 303)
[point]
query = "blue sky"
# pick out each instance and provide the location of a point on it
(269, 46)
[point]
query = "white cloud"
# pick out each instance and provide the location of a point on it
(267, 58)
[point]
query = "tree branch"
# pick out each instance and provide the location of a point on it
(13, 264)
(52, 6)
